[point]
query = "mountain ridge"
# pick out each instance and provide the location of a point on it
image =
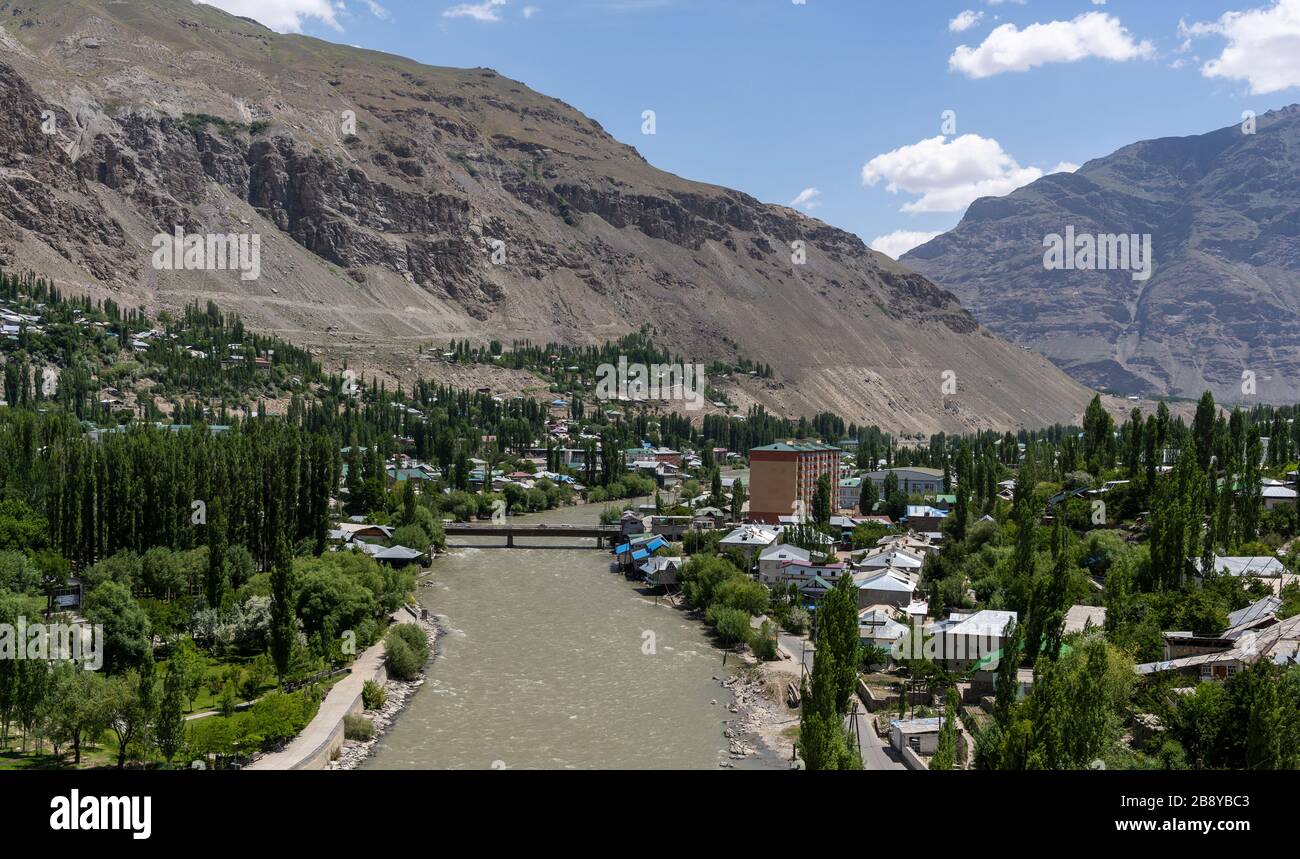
(382, 239)
(1223, 210)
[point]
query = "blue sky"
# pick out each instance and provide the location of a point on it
(840, 104)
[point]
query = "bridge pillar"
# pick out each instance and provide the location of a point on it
(510, 541)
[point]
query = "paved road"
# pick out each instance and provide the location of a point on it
(876, 753)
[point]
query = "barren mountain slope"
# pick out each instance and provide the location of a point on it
(1223, 213)
(381, 239)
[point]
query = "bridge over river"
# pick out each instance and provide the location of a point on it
(600, 533)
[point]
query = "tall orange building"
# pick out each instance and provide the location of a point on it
(784, 474)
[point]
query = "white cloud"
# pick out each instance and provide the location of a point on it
(1010, 49)
(948, 174)
(965, 20)
(1263, 46)
(486, 11)
(899, 242)
(807, 198)
(530, 11)
(283, 16)
(378, 11)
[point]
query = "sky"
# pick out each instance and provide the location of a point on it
(882, 117)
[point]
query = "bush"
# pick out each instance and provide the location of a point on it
(406, 653)
(358, 728)
(373, 695)
(414, 636)
(797, 620)
(732, 624)
(403, 663)
(763, 642)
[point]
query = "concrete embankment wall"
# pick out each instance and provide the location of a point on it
(321, 740)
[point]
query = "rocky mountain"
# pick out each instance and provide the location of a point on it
(398, 204)
(1221, 308)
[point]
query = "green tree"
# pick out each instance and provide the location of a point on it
(283, 626)
(126, 627)
(822, 505)
(215, 581)
(945, 755)
(170, 730)
(867, 497)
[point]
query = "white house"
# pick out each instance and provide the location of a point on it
(774, 557)
(884, 587)
(964, 639)
(750, 539)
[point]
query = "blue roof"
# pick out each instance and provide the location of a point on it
(639, 554)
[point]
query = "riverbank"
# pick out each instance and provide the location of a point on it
(755, 730)
(397, 694)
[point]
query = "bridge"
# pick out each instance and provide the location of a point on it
(600, 533)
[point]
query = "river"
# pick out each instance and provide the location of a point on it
(550, 661)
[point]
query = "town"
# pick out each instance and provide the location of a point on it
(251, 542)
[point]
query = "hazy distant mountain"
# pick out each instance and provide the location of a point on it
(1223, 212)
(379, 236)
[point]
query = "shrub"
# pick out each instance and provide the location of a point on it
(763, 642)
(797, 620)
(358, 728)
(402, 661)
(373, 695)
(731, 624)
(406, 653)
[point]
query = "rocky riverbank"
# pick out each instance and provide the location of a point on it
(755, 732)
(397, 693)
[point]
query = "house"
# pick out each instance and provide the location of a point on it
(923, 481)
(639, 548)
(923, 517)
(773, 557)
(1257, 566)
(1279, 644)
(878, 628)
(670, 527)
(884, 587)
(850, 492)
(802, 572)
(68, 597)
(1277, 496)
(361, 531)
(708, 519)
(750, 539)
(891, 559)
(394, 556)
(1083, 617)
(814, 590)
(661, 571)
(965, 639)
(632, 524)
(920, 736)
(845, 525)
(1258, 615)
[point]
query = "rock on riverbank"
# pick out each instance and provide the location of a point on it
(756, 728)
